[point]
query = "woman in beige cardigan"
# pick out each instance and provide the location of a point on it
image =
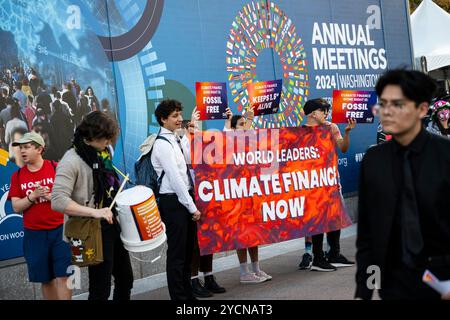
(85, 185)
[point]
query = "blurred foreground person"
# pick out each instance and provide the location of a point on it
(403, 212)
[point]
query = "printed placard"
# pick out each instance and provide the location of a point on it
(211, 98)
(265, 96)
(353, 104)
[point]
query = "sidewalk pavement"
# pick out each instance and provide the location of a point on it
(281, 262)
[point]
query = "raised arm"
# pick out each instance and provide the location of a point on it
(249, 118)
(344, 142)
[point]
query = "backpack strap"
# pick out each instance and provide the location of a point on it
(158, 137)
(162, 138)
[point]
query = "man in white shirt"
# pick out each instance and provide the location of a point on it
(176, 202)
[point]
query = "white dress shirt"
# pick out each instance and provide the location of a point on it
(170, 158)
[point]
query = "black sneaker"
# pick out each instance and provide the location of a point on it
(321, 264)
(212, 286)
(339, 261)
(198, 290)
(306, 262)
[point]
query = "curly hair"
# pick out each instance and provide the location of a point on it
(98, 125)
(165, 108)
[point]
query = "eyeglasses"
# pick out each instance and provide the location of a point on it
(397, 104)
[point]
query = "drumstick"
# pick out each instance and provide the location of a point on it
(118, 192)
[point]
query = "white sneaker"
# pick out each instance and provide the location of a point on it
(262, 274)
(251, 278)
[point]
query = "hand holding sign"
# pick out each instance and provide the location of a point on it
(194, 123)
(251, 113)
(195, 116)
(249, 117)
(196, 215)
(229, 113)
(351, 125)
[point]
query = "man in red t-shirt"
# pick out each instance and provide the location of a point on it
(47, 255)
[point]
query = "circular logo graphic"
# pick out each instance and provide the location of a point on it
(262, 25)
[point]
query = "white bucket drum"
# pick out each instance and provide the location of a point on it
(142, 228)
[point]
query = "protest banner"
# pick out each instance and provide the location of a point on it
(264, 186)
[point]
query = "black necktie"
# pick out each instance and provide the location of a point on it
(188, 171)
(412, 242)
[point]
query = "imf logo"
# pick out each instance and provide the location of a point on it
(11, 223)
(359, 156)
(4, 217)
(3, 206)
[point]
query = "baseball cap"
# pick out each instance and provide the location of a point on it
(315, 104)
(30, 137)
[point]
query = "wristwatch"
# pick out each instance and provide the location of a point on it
(29, 199)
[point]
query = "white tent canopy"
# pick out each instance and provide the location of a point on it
(430, 26)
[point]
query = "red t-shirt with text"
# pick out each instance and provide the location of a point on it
(39, 216)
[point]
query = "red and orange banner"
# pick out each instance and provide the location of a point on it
(355, 104)
(259, 187)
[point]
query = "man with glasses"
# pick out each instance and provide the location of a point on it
(403, 210)
(316, 111)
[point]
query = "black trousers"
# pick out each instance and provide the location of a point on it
(180, 231)
(200, 263)
(116, 262)
(333, 238)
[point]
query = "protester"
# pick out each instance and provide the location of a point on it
(203, 264)
(85, 186)
(316, 111)
(404, 225)
(176, 202)
(381, 135)
(440, 119)
(46, 254)
(239, 122)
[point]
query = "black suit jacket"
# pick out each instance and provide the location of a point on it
(378, 205)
